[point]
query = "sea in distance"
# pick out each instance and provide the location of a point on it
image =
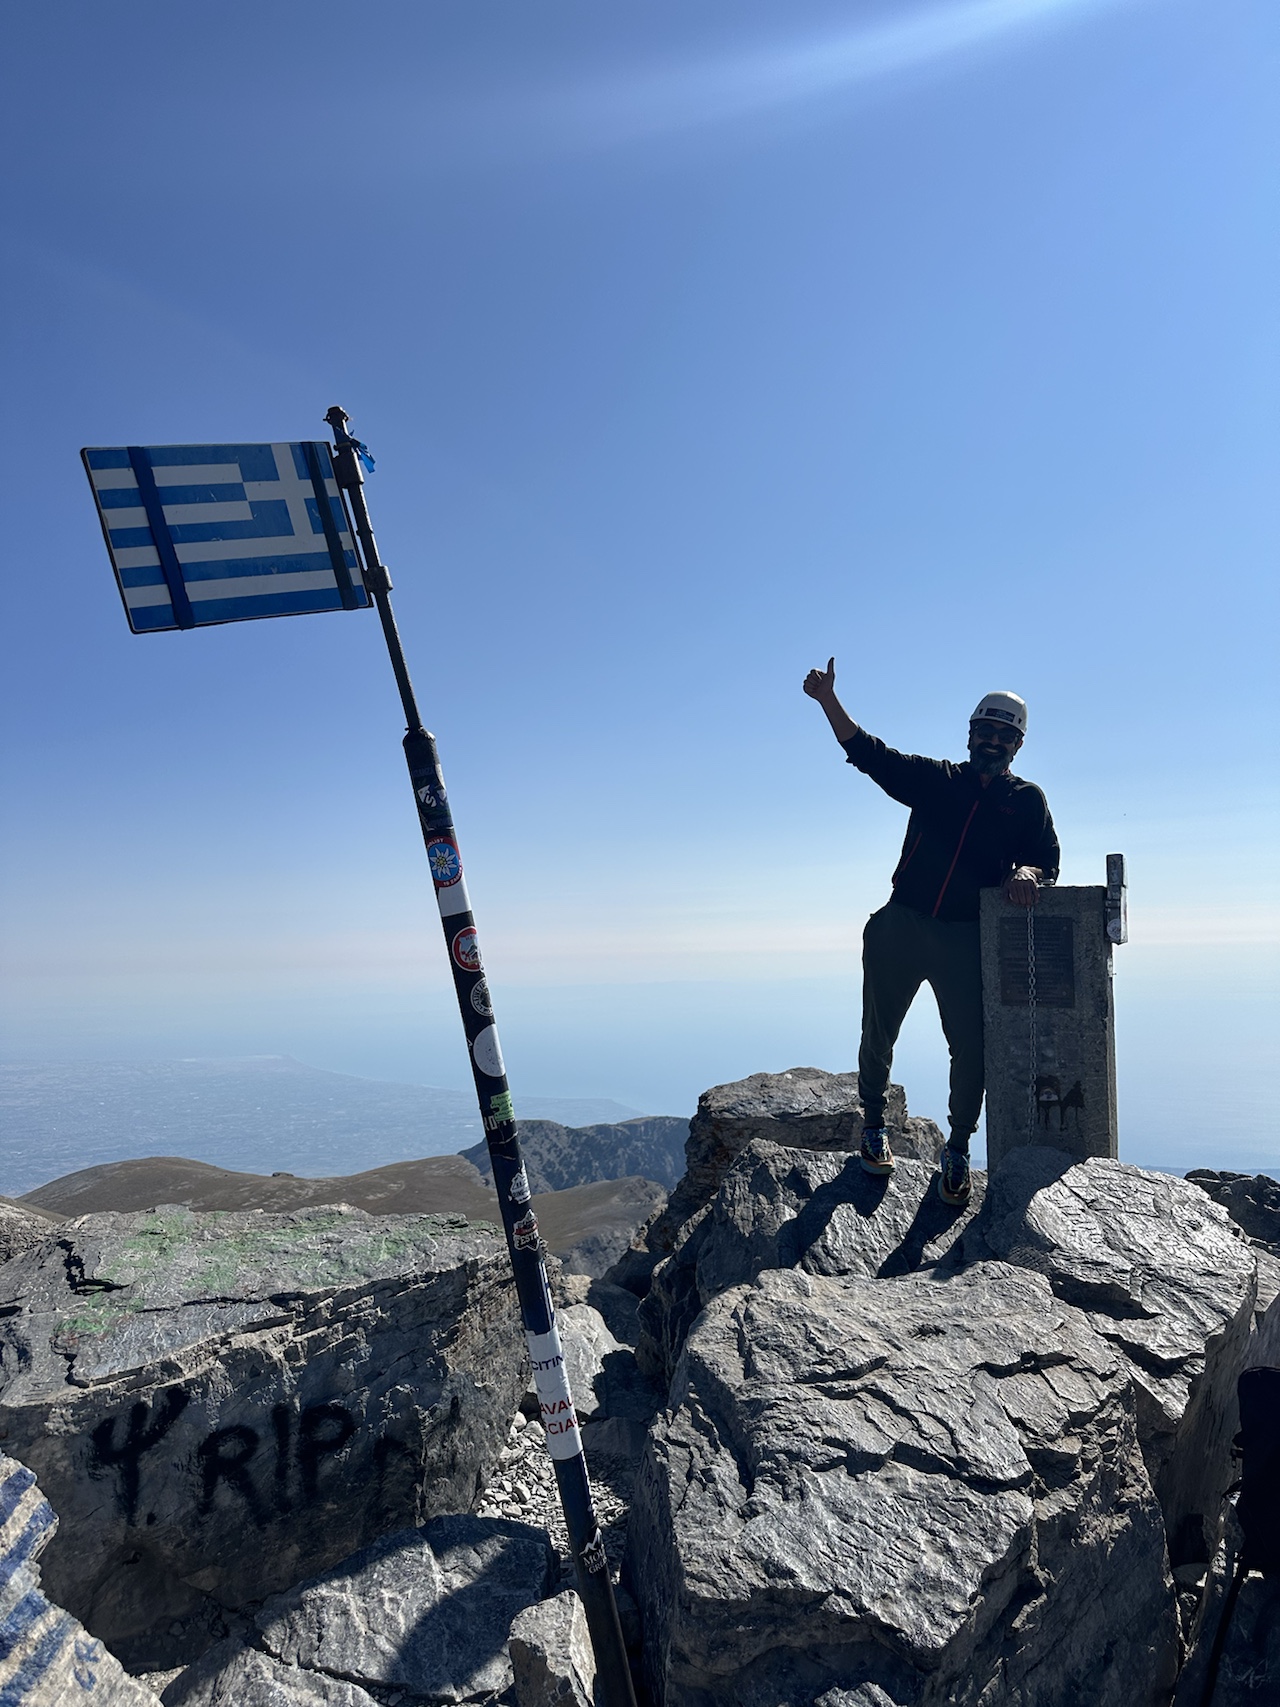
(258, 1114)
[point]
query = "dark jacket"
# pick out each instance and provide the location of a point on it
(961, 837)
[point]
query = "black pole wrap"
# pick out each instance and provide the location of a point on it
(524, 1243)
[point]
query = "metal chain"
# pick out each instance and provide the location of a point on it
(1032, 1105)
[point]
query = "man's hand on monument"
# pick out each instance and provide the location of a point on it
(1022, 886)
(821, 684)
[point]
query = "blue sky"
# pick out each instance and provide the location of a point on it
(695, 342)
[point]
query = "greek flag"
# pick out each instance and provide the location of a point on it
(222, 533)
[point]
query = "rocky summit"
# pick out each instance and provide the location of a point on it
(803, 1107)
(852, 1446)
(218, 1405)
(918, 1456)
(900, 1499)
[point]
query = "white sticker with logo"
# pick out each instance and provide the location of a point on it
(558, 1415)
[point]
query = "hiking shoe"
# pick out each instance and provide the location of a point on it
(953, 1175)
(874, 1152)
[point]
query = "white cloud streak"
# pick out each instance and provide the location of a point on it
(719, 91)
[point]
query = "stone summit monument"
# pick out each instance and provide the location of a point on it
(1049, 1017)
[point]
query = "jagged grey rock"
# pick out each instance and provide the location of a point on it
(220, 1404)
(556, 1157)
(587, 1343)
(803, 1107)
(427, 1610)
(1167, 1280)
(1251, 1200)
(917, 1492)
(231, 1675)
(551, 1654)
(614, 1400)
(1268, 1283)
(1263, 1349)
(47, 1658)
(22, 1226)
(620, 1309)
(424, 1612)
(787, 1208)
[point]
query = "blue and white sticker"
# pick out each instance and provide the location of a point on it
(445, 861)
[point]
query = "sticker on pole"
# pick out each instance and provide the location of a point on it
(465, 949)
(554, 1399)
(224, 533)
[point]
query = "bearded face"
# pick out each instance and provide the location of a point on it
(992, 746)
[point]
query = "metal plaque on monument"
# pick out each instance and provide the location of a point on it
(1049, 1017)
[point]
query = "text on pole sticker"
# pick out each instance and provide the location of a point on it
(524, 1233)
(555, 1401)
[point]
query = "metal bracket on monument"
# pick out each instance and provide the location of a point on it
(1117, 900)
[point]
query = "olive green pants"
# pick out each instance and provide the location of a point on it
(902, 949)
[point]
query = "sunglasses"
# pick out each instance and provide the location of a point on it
(1005, 733)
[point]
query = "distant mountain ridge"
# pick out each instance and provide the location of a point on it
(255, 1114)
(587, 1226)
(557, 1157)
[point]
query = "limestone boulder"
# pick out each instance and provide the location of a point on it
(47, 1658)
(22, 1226)
(421, 1616)
(588, 1347)
(551, 1654)
(1166, 1278)
(230, 1675)
(1263, 1349)
(907, 1493)
(221, 1404)
(1251, 1200)
(819, 1211)
(802, 1108)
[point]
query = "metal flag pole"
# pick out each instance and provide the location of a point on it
(475, 1004)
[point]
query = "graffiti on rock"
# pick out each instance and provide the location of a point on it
(235, 1462)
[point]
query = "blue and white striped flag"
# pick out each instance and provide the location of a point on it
(222, 533)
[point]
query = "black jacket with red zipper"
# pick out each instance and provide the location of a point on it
(961, 837)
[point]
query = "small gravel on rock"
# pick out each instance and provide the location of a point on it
(525, 1489)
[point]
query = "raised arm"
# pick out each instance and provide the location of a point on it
(821, 685)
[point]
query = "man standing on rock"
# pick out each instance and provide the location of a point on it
(973, 826)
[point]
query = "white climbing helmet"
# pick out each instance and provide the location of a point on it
(1003, 708)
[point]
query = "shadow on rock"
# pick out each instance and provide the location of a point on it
(425, 1612)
